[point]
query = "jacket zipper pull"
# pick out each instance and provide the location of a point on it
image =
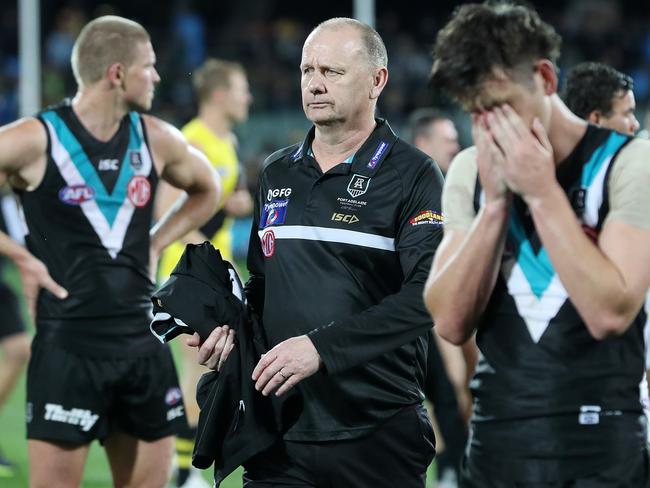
(240, 410)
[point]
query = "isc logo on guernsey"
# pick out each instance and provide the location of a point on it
(278, 192)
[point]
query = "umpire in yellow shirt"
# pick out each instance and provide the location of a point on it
(224, 98)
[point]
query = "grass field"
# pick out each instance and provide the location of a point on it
(14, 445)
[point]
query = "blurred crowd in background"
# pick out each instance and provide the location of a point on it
(266, 37)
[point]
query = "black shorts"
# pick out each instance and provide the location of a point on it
(11, 317)
(627, 472)
(76, 399)
(397, 454)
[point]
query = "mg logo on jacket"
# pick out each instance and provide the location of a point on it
(358, 185)
(268, 243)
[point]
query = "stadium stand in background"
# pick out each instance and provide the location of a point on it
(266, 36)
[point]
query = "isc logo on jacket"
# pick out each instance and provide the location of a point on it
(345, 218)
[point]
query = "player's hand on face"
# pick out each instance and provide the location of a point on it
(214, 351)
(286, 365)
(489, 160)
(34, 276)
(528, 165)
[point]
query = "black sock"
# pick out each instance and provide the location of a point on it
(184, 448)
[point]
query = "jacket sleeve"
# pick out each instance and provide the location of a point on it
(399, 318)
(254, 288)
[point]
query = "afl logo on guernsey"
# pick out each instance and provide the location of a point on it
(173, 396)
(268, 243)
(76, 194)
(139, 191)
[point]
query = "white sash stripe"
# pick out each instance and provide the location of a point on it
(112, 238)
(537, 313)
(326, 234)
(11, 213)
(595, 193)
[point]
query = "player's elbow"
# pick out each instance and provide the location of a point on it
(609, 324)
(208, 192)
(453, 331)
(449, 325)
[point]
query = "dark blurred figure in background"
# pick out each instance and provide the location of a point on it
(601, 95)
(435, 134)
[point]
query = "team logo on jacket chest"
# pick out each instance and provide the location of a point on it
(139, 191)
(76, 194)
(358, 185)
(268, 243)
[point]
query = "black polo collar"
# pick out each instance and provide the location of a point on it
(370, 155)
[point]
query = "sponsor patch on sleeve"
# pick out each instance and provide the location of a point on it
(427, 217)
(274, 213)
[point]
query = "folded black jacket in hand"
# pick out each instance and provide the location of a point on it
(203, 292)
(236, 421)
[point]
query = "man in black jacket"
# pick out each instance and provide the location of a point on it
(345, 227)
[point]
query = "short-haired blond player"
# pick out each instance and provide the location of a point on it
(86, 172)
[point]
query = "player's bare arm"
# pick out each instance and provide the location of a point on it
(22, 162)
(466, 265)
(22, 152)
(608, 283)
(185, 168)
(167, 196)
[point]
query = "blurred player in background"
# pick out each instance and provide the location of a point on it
(14, 340)
(546, 254)
(604, 96)
(224, 98)
(446, 386)
(434, 133)
(86, 172)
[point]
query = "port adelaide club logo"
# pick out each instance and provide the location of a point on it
(358, 185)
